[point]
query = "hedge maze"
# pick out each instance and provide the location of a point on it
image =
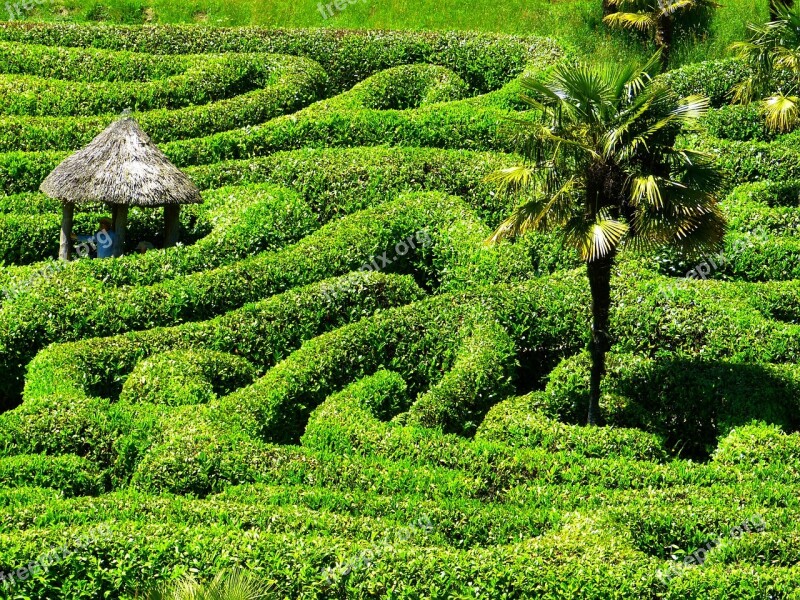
(272, 395)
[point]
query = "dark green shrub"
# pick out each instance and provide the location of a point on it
(519, 423)
(72, 475)
(186, 377)
(481, 376)
(484, 61)
(689, 402)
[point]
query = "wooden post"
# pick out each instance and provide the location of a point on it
(120, 227)
(67, 213)
(114, 213)
(171, 224)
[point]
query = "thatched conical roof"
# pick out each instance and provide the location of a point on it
(120, 166)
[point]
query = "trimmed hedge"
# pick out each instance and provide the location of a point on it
(184, 377)
(286, 84)
(688, 402)
(214, 78)
(90, 64)
(59, 416)
(69, 474)
(484, 61)
(53, 313)
(232, 224)
(481, 376)
(713, 79)
(752, 160)
(517, 422)
(759, 444)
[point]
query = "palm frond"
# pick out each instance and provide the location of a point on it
(512, 179)
(540, 214)
(596, 238)
(636, 21)
(782, 112)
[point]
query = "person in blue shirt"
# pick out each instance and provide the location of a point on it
(102, 241)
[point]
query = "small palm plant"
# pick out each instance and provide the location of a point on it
(654, 17)
(601, 166)
(773, 48)
(236, 585)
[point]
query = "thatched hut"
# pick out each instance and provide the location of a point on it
(120, 167)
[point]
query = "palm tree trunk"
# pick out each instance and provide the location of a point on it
(599, 272)
(664, 38)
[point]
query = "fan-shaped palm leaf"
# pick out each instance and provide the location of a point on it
(782, 112)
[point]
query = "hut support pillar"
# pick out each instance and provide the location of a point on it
(171, 224)
(120, 227)
(67, 214)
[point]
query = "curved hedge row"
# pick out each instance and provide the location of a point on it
(456, 125)
(76, 306)
(90, 64)
(481, 376)
(282, 85)
(232, 224)
(63, 411)
(484, 61)
(211, 79)
(181, 377)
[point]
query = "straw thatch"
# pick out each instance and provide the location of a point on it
(120, 166)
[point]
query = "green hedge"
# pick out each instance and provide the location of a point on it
(90, 64)
(182, 377)
(759, 444)
(211, 79)
(232, 224)
(69, 474)
(283, 85)
(518, 422)
(53, 312)
(60, 380)
(588, 554)
(484, 61)
(753, 161)
(738, 122)
(773, 193)
(481, 376)
(713, 79)
(342, 180)
(688, 402)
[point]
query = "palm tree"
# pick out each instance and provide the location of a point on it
(601, 165)
(775, 5)
(773, 48)
(236, 585)
(655, 17)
